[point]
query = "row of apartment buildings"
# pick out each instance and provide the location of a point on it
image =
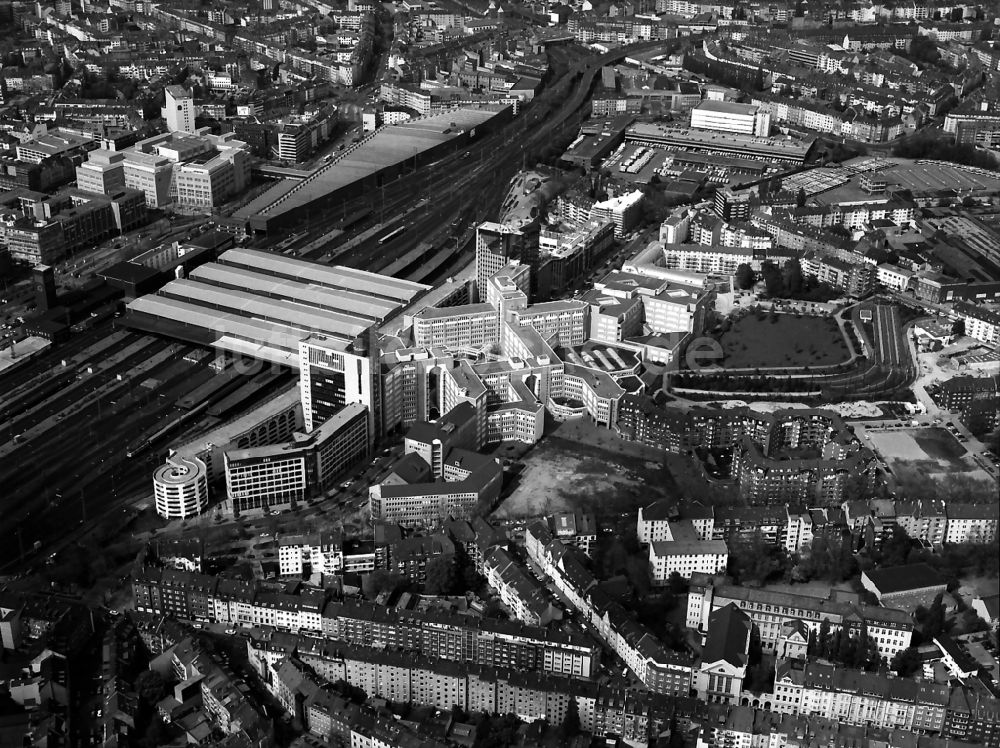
(493, 689)
(662, 671)
(794, 526)
(760, 441)
(428, 633)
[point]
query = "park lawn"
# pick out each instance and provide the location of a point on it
(783, 340)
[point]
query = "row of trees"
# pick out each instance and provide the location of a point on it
(756, 560)
(841, 647)
(727, 383)
(928, 145)
(786, 282)
(445, 575)
(829, 559)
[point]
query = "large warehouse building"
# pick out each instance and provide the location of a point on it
(262, 305)
(381, 157)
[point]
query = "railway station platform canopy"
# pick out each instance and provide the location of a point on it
(260, 305)
(386, 151)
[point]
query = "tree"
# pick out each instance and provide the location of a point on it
(350, 691)
(958, 327)
(379, 581)
(773, 282)
(745, 277)
(896, 550)
(441, 575)
(800, 198)
(791, 275)
(823, 643)
(494, 609)
(571, 722)
(934, 623)
(678, 585)
(149, 686)
(499, 731)
(906, 662)
(924, 49)
(755, 559)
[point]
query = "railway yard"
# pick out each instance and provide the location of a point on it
(73, 416)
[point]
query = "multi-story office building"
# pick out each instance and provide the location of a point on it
(34, 242)
(192, 171)
(562, 323)
(332, 375)
(407, 388)
(496, 245)
(281, 475)
(150, 174)
(180, 487)
(459, 328)
(178, 109)
(402, 94)
(623, 211)
(209, 181)
(103, 172)
(728, 116)
(613, 319)
(512, 282)
(54, 143)
(411, 496)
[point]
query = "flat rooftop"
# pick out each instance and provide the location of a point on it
(726, 107)
(261, 307)
(388, 147)
(335, 277)
(357, 304)
(679, 137)
(264, 304)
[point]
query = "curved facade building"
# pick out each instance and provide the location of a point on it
(181, 487)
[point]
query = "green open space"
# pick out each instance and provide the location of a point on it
(764, 341)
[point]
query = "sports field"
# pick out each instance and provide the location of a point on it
(923, 459)
(922, 444)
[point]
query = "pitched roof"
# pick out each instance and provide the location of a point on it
(728, 637)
